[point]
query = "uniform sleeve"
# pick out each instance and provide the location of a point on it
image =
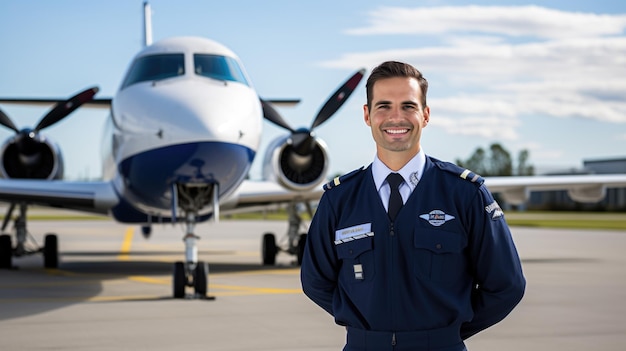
(499, 281)
(318, 273)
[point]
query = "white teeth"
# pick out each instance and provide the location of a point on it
(397, 131)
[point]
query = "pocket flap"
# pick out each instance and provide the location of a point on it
(354, 248)
(438, 241)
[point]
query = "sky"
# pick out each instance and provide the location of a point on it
(547, 77)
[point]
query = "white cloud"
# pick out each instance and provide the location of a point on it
(488, 127)
(506, 20)
(567, 65)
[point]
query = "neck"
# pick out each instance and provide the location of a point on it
(395, 160)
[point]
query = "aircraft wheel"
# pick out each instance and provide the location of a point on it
(200, 279)
(51, 251)
(301, 245)
(179, 281)
(269, 249)
(5, 251)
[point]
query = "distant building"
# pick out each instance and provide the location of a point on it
(615, 199)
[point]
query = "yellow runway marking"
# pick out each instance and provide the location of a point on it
(126, 244)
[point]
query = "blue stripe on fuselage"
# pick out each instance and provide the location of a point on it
(148, 176)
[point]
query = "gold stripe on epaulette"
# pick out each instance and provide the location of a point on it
(336, 181)
(465, 173)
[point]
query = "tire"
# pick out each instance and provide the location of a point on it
(301, 245)
(200, 279)
(6, 251)
(179, 280)
(51, 251)
(269, 249)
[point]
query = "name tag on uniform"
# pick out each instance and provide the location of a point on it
(353, 233)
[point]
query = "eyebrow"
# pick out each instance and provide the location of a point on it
(404, 103)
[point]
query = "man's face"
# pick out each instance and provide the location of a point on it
(396, 117)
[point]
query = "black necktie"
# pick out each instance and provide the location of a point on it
(395, 199)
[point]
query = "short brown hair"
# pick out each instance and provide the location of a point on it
(391, 69)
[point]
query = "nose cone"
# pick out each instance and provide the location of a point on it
(186, 110)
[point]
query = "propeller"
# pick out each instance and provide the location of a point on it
(6, 121)
(61, 110)
(26, 141)
(64, 108)
(270, 113)
(302, 139)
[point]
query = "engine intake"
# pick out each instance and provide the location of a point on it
(293, 170)
(36, 158)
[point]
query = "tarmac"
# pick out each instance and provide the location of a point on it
(113, 291)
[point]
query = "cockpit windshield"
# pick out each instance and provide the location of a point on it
(218, 67)
(155, 67)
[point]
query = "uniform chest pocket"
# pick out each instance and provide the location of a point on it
(439, 256)
(357, 258)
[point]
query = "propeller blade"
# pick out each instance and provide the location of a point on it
(270, 113)
(337, 99)
(64, 108)
(6, 121)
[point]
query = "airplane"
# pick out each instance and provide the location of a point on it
(183, 130)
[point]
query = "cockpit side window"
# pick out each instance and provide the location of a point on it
(155, 67)
(219, 67)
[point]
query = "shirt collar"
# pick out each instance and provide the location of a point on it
(411, 172)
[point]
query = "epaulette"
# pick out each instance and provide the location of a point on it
(338, 180)
(460, 172)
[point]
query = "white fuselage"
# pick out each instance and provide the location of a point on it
(185, 113)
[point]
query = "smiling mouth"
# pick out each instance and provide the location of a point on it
(396, 131)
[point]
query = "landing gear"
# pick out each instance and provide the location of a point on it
(295, 241)
(51, 251)
(269, 250)
(191, 273)
(185, 276)
(5, 251)
(24, 246)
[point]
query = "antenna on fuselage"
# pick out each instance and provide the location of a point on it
(147, 24)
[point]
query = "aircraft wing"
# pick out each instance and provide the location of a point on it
(96, 197)
(104, 103)
(581, 188)
(256, 195)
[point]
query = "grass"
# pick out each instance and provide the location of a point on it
(570, 220)
(543, 219)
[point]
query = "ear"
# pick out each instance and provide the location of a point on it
(366, 115)
(426, 113)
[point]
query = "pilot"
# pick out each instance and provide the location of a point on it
(409, 253)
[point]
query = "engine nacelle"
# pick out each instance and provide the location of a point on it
(35, 158)
(292, 170)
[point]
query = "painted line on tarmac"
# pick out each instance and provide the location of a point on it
(126, 244)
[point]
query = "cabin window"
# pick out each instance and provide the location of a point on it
(155, 67)
(219, 67)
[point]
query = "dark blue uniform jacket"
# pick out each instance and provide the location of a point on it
(448, 260)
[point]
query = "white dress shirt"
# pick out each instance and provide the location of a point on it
(411, 172)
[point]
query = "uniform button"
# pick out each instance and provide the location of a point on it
(350, 252)
(438, 246)
(391, 233)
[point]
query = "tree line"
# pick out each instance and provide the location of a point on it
(497, 161)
